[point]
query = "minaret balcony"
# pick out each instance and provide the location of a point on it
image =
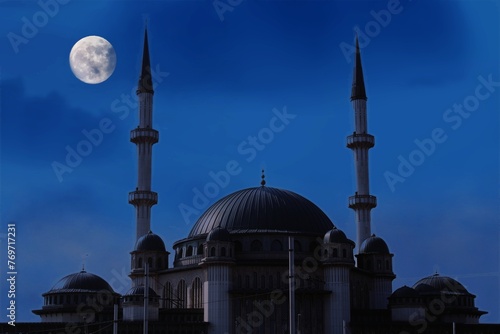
(360, 140)
(141, 135)
(143, 197)
(362, 201)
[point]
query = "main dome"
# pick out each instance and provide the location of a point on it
(263, 209)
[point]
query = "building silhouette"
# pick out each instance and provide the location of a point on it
(230, 273)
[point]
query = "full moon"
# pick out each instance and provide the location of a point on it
(92, 59)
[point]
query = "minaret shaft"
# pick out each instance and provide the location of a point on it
(360, 142)
(145, 110)
(144, 166)
(144, 136)
(360, 123)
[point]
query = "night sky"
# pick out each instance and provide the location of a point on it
(222, 71)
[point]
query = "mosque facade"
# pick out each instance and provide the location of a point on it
(232, 272)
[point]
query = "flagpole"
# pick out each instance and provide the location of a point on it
(291, 277)
(146, 296)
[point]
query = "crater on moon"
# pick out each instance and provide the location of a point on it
(92, 59)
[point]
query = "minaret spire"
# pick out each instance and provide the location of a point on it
(145, 84)
(144, 136)
(360, 142)
(358, 81)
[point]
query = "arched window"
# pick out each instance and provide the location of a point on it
(223, 251)
(159, 263)
(199, 250)
(167, 295)
(150, 262)
(139, 265)
(197, 293)
(189, 251)
(387, 265)
(335, 252)
(256, 246)
(379, 264)
(276, 246)
(181, 294)
(212, 251)
(344, 253)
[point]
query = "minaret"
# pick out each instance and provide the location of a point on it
(144, 136)
(360, 142)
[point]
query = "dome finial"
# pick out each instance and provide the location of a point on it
(436, 270)
(83, 262)
(263, 177)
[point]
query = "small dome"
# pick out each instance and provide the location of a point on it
(437, 283)
(81, 282)
(405, 292)
(336, 236)
(219, 234)
(374, 244)
(150, 242)
(139, 290)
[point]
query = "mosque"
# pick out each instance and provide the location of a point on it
(260, 260)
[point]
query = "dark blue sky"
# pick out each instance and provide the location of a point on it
(220, 81)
